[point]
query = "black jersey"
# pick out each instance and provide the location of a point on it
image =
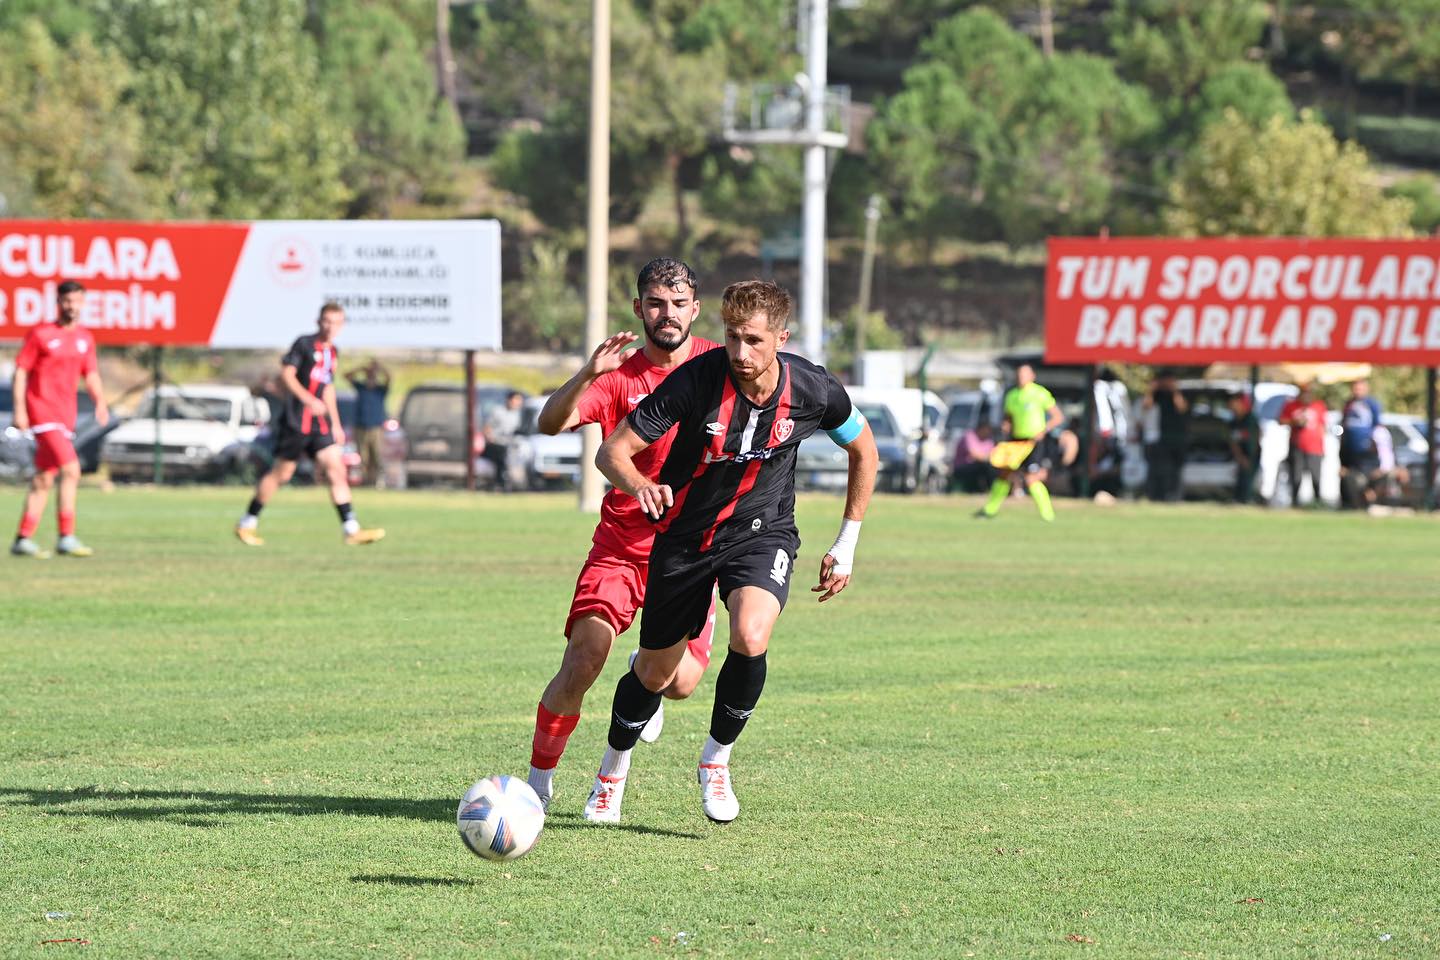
(732, 463)
(314, 365)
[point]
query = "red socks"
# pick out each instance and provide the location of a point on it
(67, 524)
(552, 733)
(29, 523)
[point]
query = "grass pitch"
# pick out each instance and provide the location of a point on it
(1140, 732)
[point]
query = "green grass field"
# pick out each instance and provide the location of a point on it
(1140, 732)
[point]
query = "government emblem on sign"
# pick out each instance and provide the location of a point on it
(292, 262)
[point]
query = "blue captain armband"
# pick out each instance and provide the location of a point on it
(850, 429)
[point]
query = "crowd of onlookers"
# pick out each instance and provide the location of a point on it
(1160, 436)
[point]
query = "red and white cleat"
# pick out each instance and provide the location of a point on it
(717, 797)
(604, 803)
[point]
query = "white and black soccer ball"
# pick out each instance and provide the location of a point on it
(500, 818)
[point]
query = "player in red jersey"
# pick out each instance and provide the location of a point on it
(53, 357)
(611, 586)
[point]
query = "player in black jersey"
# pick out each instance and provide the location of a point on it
(724, 506)
(309, 423)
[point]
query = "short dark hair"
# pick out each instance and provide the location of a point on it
(665, 272)
(69, 286)
(330, 306)
(742, 301)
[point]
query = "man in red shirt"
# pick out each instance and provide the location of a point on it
(611, 586)
(1305, 416)
(53, 357)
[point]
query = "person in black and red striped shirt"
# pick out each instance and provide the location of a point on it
(309, 423)
(724, 508)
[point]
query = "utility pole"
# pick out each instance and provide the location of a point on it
(867, 271)
(812, 255)
(597, 228)
(444, 55)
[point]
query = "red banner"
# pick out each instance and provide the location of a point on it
(431, 284)
(147, 282)
(1194, 302)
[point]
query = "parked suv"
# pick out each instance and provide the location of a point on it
(906, 424)
(433, 419)
(207, 432)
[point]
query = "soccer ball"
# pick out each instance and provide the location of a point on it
(500, 818)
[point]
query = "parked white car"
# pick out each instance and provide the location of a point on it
(206, 433)
(546, 461)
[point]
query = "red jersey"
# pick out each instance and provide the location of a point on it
(625, 531)
(1309, 436)
(55, 358)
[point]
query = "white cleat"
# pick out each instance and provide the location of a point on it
(604, 803)
(717, 797)
(651, 733)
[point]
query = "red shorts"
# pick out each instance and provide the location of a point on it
(613, 589)
(53, 450)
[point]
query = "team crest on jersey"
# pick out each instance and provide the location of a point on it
(782, 429)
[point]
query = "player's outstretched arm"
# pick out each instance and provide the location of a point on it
(97, 393)
(21, 419)
(616, 460)
(837, 563)
(561, 411)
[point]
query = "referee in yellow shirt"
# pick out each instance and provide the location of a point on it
(1030, 415)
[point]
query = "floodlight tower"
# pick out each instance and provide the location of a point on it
(823, 126)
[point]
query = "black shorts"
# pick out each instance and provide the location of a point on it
(292, 444)
(678, 589)
(1042, 456)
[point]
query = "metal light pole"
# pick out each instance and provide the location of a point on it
(812, 258)
(867, 271)
(597, 250)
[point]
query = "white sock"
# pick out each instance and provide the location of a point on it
(542, 781)
(350, 527)
(249, 522)
(714, 752)
(615, 763)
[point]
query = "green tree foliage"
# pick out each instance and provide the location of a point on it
(542, 309)
(1424, 200)
(670, 62)
(1283, 179)
(1174, 46)
(69, 143)
(1395, 40)
(236, 121)
(64, 19)
(990, 140)
(408, 140)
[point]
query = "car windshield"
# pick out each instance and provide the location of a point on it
(961, 416)
(189, 408)
(882, 424)
(529, 421)
(435, 406)
(1270, 409)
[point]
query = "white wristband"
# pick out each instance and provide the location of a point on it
(844, 549)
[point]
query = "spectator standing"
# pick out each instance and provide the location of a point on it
(371, 383)
(1359, 421)
(500, 429)
(1244, 445)
(1166, 455)
(1305, 416)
